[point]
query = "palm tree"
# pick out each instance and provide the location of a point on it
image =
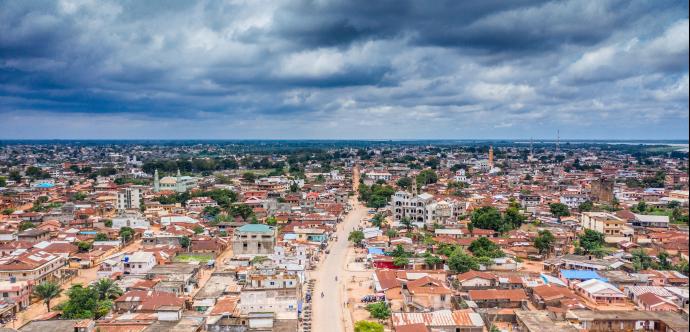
(407, 222)
(47, 291)
(106, 289)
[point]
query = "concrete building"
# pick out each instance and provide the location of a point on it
(254, 239)
(128, 198)
(603, 222)
(177, 183)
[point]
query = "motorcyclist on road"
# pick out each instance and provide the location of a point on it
(336, 278)
(321, 294)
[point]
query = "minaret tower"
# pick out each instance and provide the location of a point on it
(156, 182)
(491, 157)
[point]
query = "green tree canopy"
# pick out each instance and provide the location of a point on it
(356, 237)
(367, 326)
(544, 241)
(487, 217)
(559, 210)
(379, 310)
(483, 247)
(47, 291)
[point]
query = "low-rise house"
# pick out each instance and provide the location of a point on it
(620, 321)
(641, 220)
(600, 292)
(426, 294)
(495, 298)
(149, 302)
(476, 280)
(139, 263)
(440, 320)
(653, 302)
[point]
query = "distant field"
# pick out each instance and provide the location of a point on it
(202, 258)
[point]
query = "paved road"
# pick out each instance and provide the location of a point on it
(329, 312)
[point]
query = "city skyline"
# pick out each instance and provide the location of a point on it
(344, 70)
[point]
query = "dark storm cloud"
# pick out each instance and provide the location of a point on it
(345, 68)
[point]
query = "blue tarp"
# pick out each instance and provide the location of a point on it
(375, 251)
(290, 236)
(581, 275)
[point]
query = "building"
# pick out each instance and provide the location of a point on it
(254, 239)
(424, 209)
(376, 176)
(498, 298)
(139, 263)
(16, 292)
(441, 320)
(177, 183)
(573, 201)
(426, 294)
(133, 220)
(529, 200)
(600, 292)
(642, 220)
(603, 222)
(34, 266)
(128, 198)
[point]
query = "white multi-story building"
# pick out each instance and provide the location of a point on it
(385, 176)
(460, 176)
(573, 201)
(423, 208)
(128, 198)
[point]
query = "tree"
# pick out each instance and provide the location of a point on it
(379, 310)
(185, 242)
(585, 206)
(544, 241)
(107, 289)
(378, 220)
(640, 260)
(513, 217)
(356, 237)
(84, 303)
(407, 222)
(664, 262)
(431, 260)
(487, 217)
(211, 211)
(3, 181)
(461, 262)
(15, 176)
(102, 237)
(367, 326)
(248, 177)
(126, 233)
(391, 233)
(426, 177)
(559, 210)
(47, 291)
(591, 241)
(404, 182)
(84, 246)
(108, 223)
(242, 210)
(198, 229)
(483, 247)
(671, 205)
(401, 261)
(24, 225)
(271, 221)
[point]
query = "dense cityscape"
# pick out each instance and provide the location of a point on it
(344, 166)
(343, 235)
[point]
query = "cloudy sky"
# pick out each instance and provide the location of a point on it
(344, 69)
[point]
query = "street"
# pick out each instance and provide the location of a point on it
(329, 312)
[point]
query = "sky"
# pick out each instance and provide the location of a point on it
(350, 69)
